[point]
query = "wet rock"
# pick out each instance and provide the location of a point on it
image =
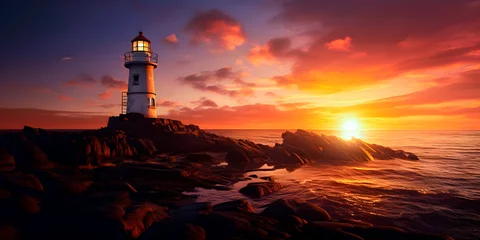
(236, 205)
(140, 217)
(281, 208)
(270, 179)
(260, 189)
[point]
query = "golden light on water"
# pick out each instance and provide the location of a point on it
(350, 128)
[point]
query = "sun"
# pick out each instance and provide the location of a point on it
(350, 128)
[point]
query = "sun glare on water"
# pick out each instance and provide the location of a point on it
(350, 128)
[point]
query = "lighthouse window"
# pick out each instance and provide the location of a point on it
(151, 102)
(135, 79)
(141, 46)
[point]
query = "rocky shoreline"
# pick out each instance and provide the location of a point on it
(126, 181)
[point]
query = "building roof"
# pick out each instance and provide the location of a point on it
(140, 37)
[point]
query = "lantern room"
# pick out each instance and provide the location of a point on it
(141, 43)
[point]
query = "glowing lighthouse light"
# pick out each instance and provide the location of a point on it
(141, 61)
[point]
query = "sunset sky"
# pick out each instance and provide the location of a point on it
(280, 64)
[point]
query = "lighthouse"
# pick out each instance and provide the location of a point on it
(140, 61)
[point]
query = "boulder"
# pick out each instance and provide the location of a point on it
(412, 156)
(260, 189)
(21, 182)
(282, 208)
(7, 161)
(28, 155)
(241, 205)
(140, 217)
(237, 158)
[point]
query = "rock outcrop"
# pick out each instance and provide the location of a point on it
(307, 147)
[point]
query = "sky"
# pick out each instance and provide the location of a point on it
(250, 64)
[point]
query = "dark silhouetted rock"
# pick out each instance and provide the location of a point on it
(28, 155)
(199, 158)
(260, 189)
(236, 205)
(237, 158)
(412, 156)
(173, 230)
(8, 232)
(191, 212)
(7, 161)
(282, 208)
(270, 179)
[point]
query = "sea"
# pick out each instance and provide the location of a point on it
(438, 194)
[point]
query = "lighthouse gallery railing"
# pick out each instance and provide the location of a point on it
(140, 56)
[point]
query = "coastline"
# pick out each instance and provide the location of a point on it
(136, 192)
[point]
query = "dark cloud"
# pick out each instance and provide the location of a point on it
(218, 28)
(274, 49)
(83, 80)
(110, 82)
(208, 81)
(205, 103)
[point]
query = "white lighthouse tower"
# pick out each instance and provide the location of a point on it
(141, 61)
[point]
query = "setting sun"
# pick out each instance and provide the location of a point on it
(350, 128)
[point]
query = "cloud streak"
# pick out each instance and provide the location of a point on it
(208, 81)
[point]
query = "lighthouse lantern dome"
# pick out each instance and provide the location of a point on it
(141, 43)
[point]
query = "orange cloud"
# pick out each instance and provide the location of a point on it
(166, 103)
(105, 95)
(270, 52)
(64, 97)
(340, 44)
(216, 27)
(395, 45)
(171, 39)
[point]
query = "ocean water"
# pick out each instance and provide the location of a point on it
(438, 194)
